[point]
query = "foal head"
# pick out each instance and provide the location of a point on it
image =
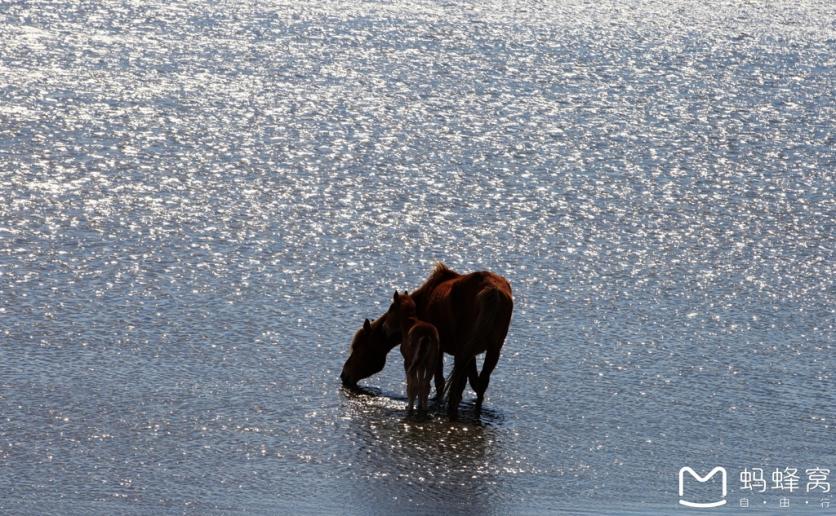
(402, 308)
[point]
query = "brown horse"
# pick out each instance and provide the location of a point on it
(420, 349)
(472, 313)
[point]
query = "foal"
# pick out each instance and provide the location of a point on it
(420, 349)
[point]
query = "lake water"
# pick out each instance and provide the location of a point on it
(202, 201)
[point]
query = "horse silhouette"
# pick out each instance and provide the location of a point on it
(472, 314)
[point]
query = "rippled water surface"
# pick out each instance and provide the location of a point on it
(202, 201)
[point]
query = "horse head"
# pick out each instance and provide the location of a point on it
(367, 354)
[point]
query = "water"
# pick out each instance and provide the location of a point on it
(201, 202)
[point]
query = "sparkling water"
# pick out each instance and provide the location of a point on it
(202, 201)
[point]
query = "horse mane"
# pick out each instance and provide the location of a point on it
(439, 274)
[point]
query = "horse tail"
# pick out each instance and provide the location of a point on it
(490, 301)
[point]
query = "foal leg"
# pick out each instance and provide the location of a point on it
(426, 376)
(413, 391)
(410, 390)
(428, 388)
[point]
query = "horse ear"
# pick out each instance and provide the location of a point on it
(367, 325)
(395, 297)
(405, 293)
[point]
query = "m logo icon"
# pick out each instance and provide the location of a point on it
(698, 478)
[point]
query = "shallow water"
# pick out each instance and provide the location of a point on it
(202, 201)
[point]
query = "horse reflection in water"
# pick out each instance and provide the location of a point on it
(472, 313)
(428, 464)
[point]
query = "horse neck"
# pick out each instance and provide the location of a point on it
(406, 324)
(389, 343)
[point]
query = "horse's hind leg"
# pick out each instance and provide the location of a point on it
(491, 358)
(439, 377)
(488, 333)
(494, 342)
(457, 384)
(473, 376)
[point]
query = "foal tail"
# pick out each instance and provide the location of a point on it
(416, 357)
(423, 347)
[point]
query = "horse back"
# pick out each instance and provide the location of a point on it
(457, 306)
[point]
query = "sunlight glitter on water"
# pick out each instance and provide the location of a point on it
(204, 201)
